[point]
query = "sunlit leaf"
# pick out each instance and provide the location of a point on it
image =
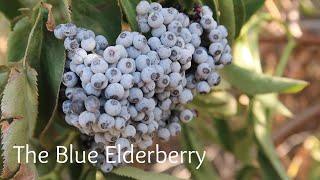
(19, 99)
(265, 144)
(252, 83)
(271, 101)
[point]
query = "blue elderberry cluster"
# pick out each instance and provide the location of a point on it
(127, 93)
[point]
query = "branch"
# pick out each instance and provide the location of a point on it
(303, 40)
(296, 124)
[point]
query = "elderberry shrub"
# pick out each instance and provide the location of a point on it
(127, 93)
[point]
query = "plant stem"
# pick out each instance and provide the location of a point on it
(67, 4)
(285, 57)
(30, 37)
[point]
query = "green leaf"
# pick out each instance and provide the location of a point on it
(191, 143)
(4, 75)
(17, 40)
(90, 175)
(129, 10)
(54, 134)
(266, 168)
(252, 6)
(50, 77)
(47, 55)
(20, 98)
(240, 12)
(244, 144)
(187, 4)
(246, 48)
(227, 17)
(102, 16)
(253, 83)
(224, 133)
(139, 174)
(271, 101)
(246, 172)
(35, 40)
(117, 177)
(10, 8)
(219, 103)
(265, 144)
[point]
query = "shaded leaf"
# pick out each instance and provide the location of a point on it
(252, 83)
(187, 4)
(102, 16)
(129, 10)
(266, 168)
(47, 55)
(139, 174)
(60, 11)
(227, 17)
(54, 133)
(224, 133)
(50, 77)
(19, 99)
(35, 39)
(18, 39)
(90, 175)
(252, 6)
(246, 172)
(4, 75)
(10, 8)
(219, 103)
(191, 143)
(240, 13)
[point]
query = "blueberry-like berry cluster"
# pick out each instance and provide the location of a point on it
(127, 93)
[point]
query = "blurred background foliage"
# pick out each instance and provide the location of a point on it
(251, 125)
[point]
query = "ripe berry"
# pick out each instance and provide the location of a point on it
(99, 81)
(114, 75)
(111, 54)
(186, 115)
(125, 38)
(114, 91)
(112, 107)
(88, 44)
(70, 79)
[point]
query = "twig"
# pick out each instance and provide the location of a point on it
(304, 40)
(296, 125)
